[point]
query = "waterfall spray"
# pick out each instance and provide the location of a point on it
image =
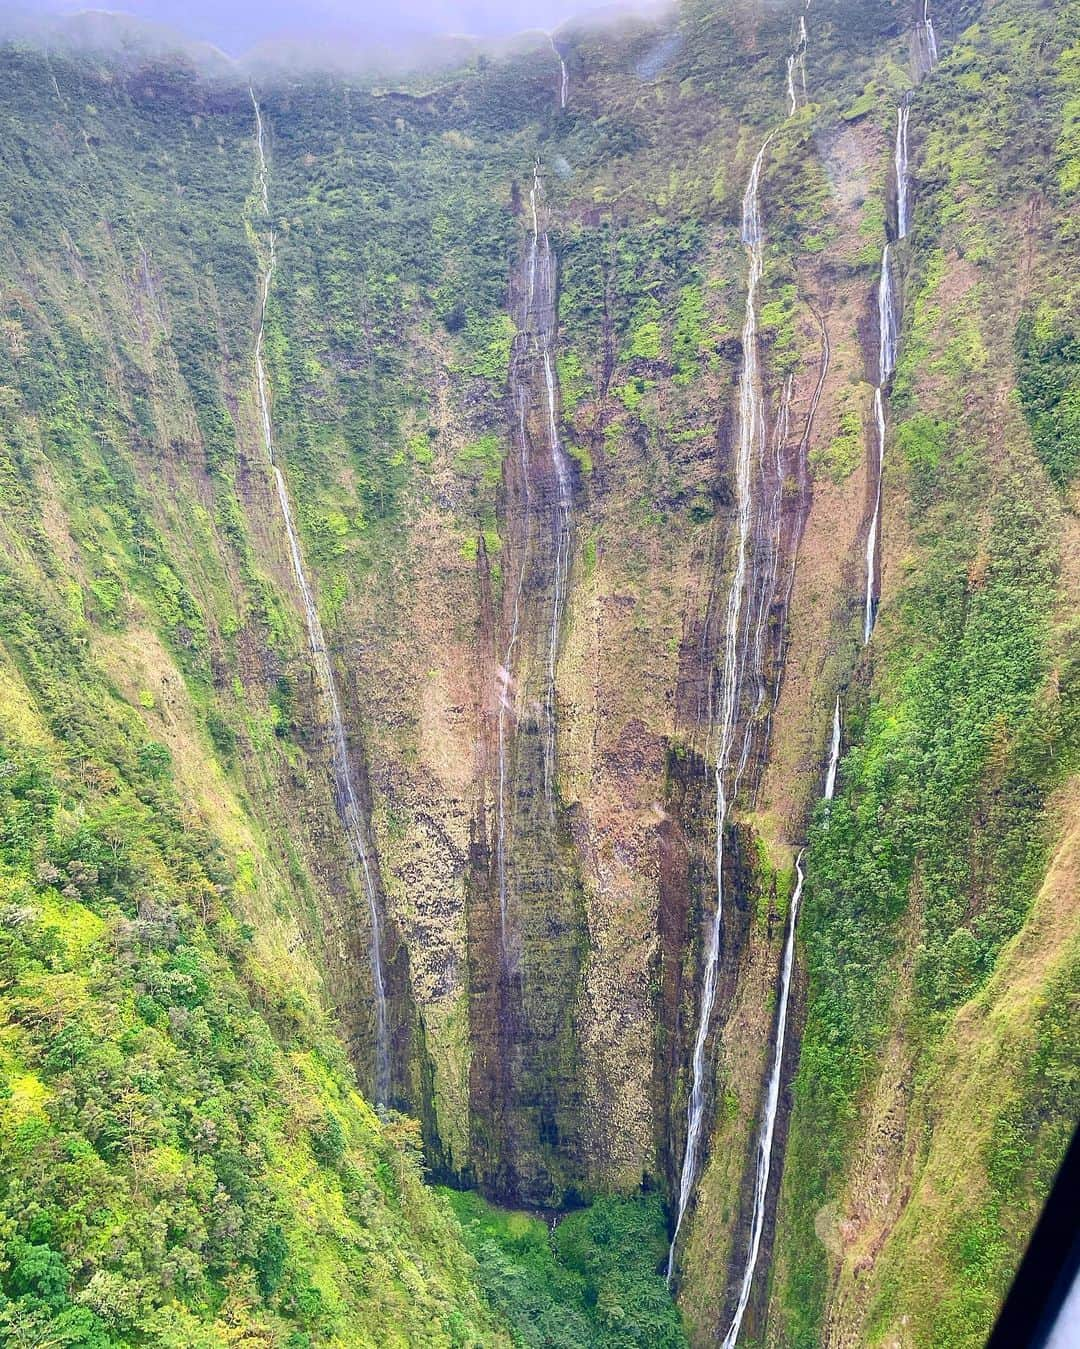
(348, 804)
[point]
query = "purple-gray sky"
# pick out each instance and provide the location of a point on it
(238, 25)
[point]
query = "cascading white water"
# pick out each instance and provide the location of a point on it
(763, 1169)
(347, 800)
(900, 161)
(772, 1092)
(507, 688)
(834, 753)
(743, 634)
(766, 556)
(768, 1121)
(888, 328)
(797, 58)
(888, 323)
(542, 298)
(564, 78)
(532, 349)
(751, 437)
(931, 39)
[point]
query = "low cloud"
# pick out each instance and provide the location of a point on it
(239, 26)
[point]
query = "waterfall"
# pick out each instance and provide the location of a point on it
(506, 683)
(888, 321)
(900, 159)
(542, 289)
(797, 58)
(763, 1168)
(834, 753)
(531, 357)
(751, 435)
(928, 28)
(743, 636)
(768, 539)
(925, 48)
(348, 803)
(888, 328)
(564, 78)
(768, 1121)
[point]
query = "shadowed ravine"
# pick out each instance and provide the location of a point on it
(524, 1078)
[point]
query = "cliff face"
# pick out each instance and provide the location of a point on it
(575, 415)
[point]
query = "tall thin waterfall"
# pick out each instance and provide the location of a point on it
(768, 1120)
(542, 297)
(834, 753)
(931, 39)
(751, 438)
(766, 1135)
(533, 366)
(506, 683)
(900, 164)
(888, 327)
(564, 77)
(888, 320)
(743, 639)
(797, 59)
(348, 804)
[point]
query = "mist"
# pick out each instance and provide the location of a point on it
(239, 27)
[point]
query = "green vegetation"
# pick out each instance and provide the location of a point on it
(595, 1280)
(1049, 385)
(185, 990)
(182, 1146)
(842, 455)
(930, 860)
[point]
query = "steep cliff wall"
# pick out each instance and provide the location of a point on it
(551, 487)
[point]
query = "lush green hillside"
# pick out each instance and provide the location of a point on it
(516, 501)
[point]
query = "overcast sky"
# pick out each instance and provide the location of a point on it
(238, 25)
